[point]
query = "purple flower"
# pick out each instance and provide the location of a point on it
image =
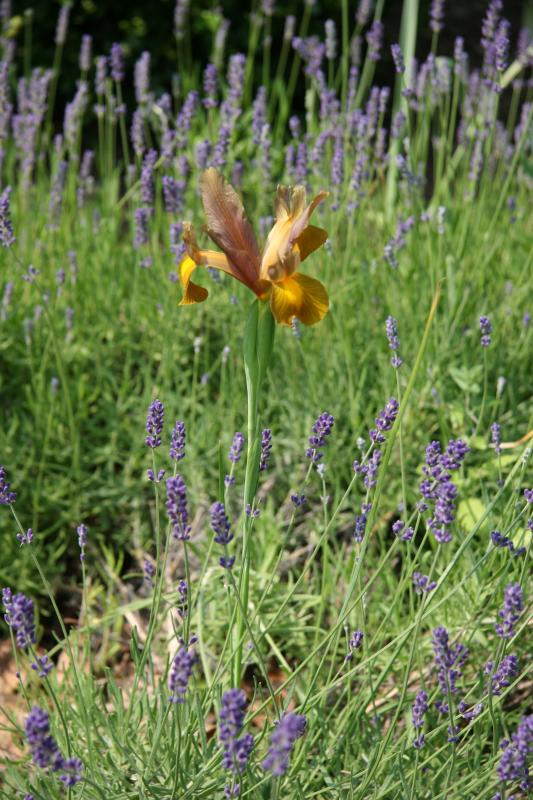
(384, 421)
(391, 327)
(397, 57)
(25, 538)
(449, 660)
(321, 430)
(7, 498)
(6, 229)
(181, 11)
(503, 542)
(418, 710)
(331, 39)
(266, 447)
(528, 494)
(71, 769)
(177, 509)
(374, 40)
(436, 15)
(422, 583)
(486, 329)
(400, 531)
(360, 527)
(210, 83)
(354, 643)
(44, 749)
(147, 178)
(154, 423)
(496, 436)
(86, 52)
(180, 674)
(504, 674)
(513, 764)
(513, 603)
(19, 615)
(116, 61)
(142, 78)
(221, 527)
(142, 219)
(42, 666)
(438, 488)
(148, 572)
(82, 531)
(62, 25)
(297, 499)
(178, 441)
(235, 451)
(363, 12)
(237, 748)
(289, 728)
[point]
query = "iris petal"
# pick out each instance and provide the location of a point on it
(192, 293)
(299, 296)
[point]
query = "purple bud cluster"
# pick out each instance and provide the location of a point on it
(503, 676)
(401, 532)
(320, 432)
(266, 447)
(289, 729)
(6, 228)
(180, 674)
(44, 749)
(485, 328)
(449, 660)
(177, 508)
(237, 746)
(7, 497)
(354, 643)
(504, 542)
(221, 527)
(384, 421)
(235, 451)
(82, 531)
(19, 615)
(418, 710)
(516, 753)
(154, 423)
(438, 490)
(513, 603)
(178, 441)
(422, 583)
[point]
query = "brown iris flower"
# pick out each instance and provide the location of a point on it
(272, 275)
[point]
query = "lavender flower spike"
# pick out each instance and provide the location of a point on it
(20, 616)
(7, 498)
(154, 423)
(221, 527)
(290, 728)
(513, 762)
(391, 327)
(485, 327)
(266, 447)
(6, 229)
(178, 441)
(235, 451)
(237, 748)
(180, 674)
(419, 708)
(509, 614)
(82, 531)
(321, 430)
(177, 509)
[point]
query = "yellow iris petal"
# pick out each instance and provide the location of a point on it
(192, 293)
(299, 296)
(310, 240)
